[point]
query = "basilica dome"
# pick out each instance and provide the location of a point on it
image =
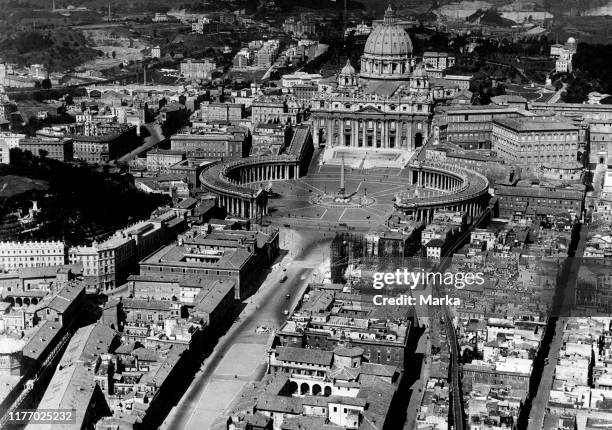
(388, 39)
(388, 51)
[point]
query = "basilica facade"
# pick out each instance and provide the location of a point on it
(388, 105)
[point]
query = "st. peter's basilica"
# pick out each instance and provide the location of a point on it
(382, 114)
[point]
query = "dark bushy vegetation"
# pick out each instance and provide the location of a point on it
(81, 203)
(592, 72)
(58, 50)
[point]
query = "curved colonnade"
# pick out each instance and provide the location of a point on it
(464, 190)
(229, 181)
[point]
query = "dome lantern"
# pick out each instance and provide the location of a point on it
(390, 18)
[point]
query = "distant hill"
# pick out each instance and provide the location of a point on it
(57, 49)
(556, 7)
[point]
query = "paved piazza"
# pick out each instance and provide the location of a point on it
(309, 200)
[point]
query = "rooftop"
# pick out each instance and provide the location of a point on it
(308, 356)
(536, 124)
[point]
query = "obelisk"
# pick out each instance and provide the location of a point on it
(341, 190)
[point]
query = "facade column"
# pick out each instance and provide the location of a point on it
(363, 132)
(375, 135)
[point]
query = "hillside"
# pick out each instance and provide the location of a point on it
(556, 7)
(57, 49)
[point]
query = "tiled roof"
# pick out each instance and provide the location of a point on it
(284, 404)
(536, 124)
(163, 305)
(41, 339)
(308, 356)
(65, 297)
(378, 369)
